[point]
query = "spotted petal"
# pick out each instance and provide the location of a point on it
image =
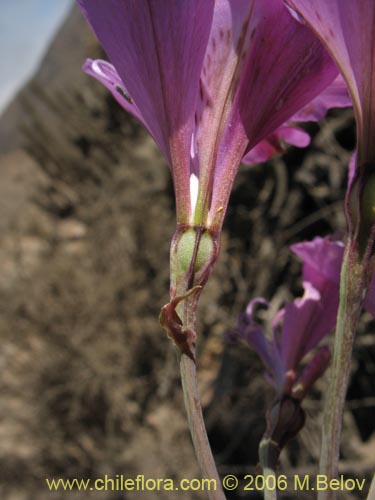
(277, 67)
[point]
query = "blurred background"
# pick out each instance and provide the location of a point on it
(89, 382)
(26, 29)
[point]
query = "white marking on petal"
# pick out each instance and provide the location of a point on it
(295, 15)
(105, 71)
(98, 70)
(194, 184)
(193, 146)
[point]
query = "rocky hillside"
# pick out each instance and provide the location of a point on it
(58, 71)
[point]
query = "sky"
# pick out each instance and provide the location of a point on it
(26, 28)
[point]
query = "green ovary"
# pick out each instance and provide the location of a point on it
(186, 248)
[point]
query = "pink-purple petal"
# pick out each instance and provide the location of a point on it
(300, 326)
(276, 143)
(262, 152)
(285, 67)
(335, 95)
(229, 43)
(322, 259)
(296, 327)
(294, 136)
(313, 370)
(306, 322)
(347, 29)
(106, 74)
(252, 333)
(157, 48)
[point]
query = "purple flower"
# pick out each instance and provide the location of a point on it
(347, 30)
(297, 331)
(334, 96)
(298, 328)
(210, 80)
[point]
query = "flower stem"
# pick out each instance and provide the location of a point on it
(269, 494)
(197, 427)
(351, 298)
(371, 493)
(268, 451)
(194, 251)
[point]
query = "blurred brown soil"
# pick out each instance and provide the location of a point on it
(89, 383)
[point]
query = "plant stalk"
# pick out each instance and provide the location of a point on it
(268, 450)
(371, 493)
(351, 299)
(194, 251)
(197, 426)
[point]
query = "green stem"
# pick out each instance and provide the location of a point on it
(194, 252)
(351, 298)
(197, 426)
(193, 407)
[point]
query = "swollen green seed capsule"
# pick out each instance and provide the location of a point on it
(194, 245)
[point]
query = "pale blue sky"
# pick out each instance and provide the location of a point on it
(26, 28)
